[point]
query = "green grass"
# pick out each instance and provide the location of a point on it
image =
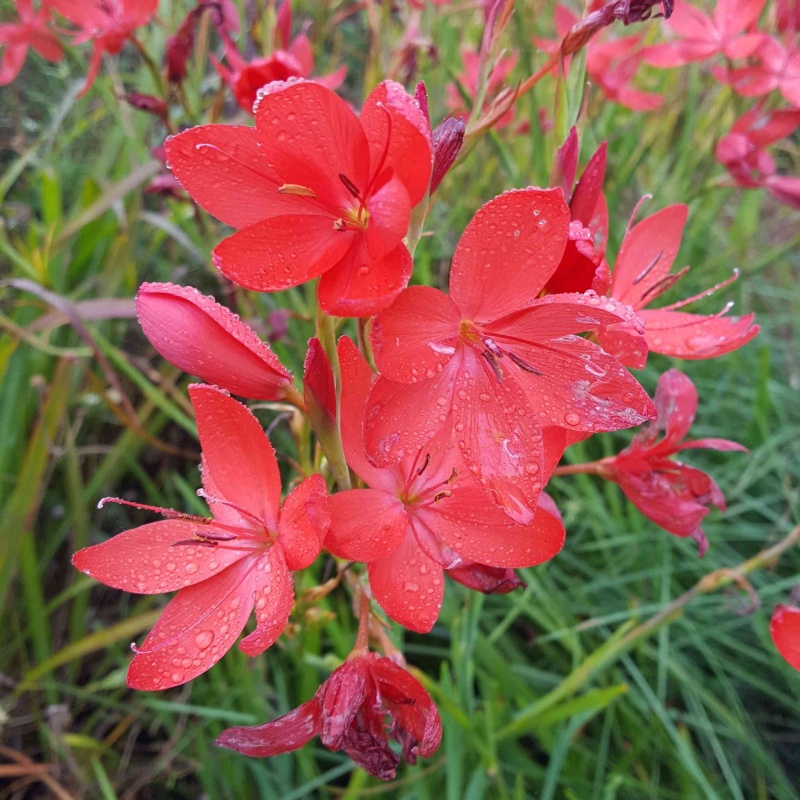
(541, 693)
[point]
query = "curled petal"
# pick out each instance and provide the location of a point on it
(304, 522)
(289, 732)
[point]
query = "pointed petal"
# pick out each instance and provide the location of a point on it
(676, 403)
(360, 285)
(785, 631)
(237, 453)
(499, 437)
(311, 136)
(695, 336)
(389, 213)
(284, 734)
(197, 628)
(408, 585)
(479, 533)
(342, 696)
(283, 251)
(391, 113)
(508, 252)
(273, 596)
(145, 560)
(304, 522)
(417, 335)
(205, 339)
(366, 524)
(583, 204)
(647, 255)
(225, 172)
(624, 343)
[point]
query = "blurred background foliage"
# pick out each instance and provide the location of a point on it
(544, 693)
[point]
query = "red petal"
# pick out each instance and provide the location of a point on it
(409, 150)
(408, 585)
(676, 403)
(625, 344)
(647, 255)
(508, 252)
(360, 286)
(485, 579)
(223, 169)
(145, 561)
(417, 335)
(311, 136)
(366, 524)
(205, 339)
(237, 454)
(319, 390)
(695, 336)
(197, 628)
(499, 437)
(273, 596)
(583, 204)
(289, 732)
(284, 251)
(785, 631)
(390, 212)
(468, 524)
(304, 522)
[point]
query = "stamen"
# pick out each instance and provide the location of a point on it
(524, 364)
(492, 361)
(492, 347)
(235, 506)
(441, 495)
(168, 513)
(706, 293)
(297, 190)
(425, 465)
(658, 288)
(349, 185)
(194, 542)
(648, 269)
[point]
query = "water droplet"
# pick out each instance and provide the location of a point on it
(572, 418)
(204, 639)
(410, 586)
(191, 567)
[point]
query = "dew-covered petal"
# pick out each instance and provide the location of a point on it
(408, 585)
(273, 597)
(237, 453)
(508, 252)
(197, 628)
(304, 522)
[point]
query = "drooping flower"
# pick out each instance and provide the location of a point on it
(350, 712)
(785, 631)
(108, 24)
(727, 32)
(30, 31)
(496, 363)
(674, 495)
(224, 566)
(641, 273)
(314, 191)
(200, 336)
(485, 579)
(424, 515)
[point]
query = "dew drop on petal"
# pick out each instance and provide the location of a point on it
(204, 639)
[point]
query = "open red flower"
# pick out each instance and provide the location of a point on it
(224, 566)
(727, 32)
(315, 190)
(495, 362)
(785, 631)
(30, 31)
(108, 24)
(349, 712)
(675, 496)
(203, 338)
(424, 515)
(643, 272)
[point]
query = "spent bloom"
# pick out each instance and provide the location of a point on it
(314, 190)
(363, 704)
(672, 494)
(224, 566)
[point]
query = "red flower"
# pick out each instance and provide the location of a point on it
(743, 152)
(725, 33)
(203, 338)
(108, 24)
(349, 712)
(675, 496)
(30, 31)
(424, 515)
(785, 631)
(779, 68)
(223, 566)
(495, 362)
(485, 579)
(315, 190)
(641, 274)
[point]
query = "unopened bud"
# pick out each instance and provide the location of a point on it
(447, 141)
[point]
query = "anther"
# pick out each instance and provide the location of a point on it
(350, 186)
(492, 361)
(524, 364)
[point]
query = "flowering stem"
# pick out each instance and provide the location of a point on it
(333, 444)
(590, 468)
(626, 636)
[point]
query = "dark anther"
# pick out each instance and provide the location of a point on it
(349, 185)
(453, 476)
(440, 495)
(195, 543)
(646, 271)
(492, 361)
(524, 364)
(425, 465)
